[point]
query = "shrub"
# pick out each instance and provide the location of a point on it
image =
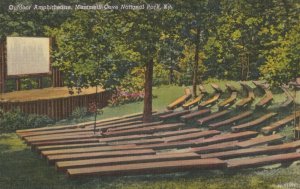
(15, 119)
(121, 96)
(79, 113)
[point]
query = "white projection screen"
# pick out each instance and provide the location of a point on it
(28, 55)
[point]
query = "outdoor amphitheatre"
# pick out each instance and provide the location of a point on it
(202, 94)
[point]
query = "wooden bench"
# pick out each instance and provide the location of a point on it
(196, 100)
(62, 166)
(91, 155)
(133, 126)
(280, 123)
(60, 138)
(103, 141)
(145, 130)
(88, 149)
(283, 148)
(254, 123)
(138, 141)
(289, 100)
(247, 100)
(195, 114)
(181, 100)
(261, 140)
(67, 146)
(262, 161)
(211, 101)
(213, 116)
(175, 133)
(229, 101)
(227, 137)
(267, 98)
(114, 120)
(173, 115)
(146, 168)
(63, 142)
(191, 136)
(230, 120)
(232, 145)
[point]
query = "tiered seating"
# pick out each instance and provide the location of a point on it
(62, 166)
(213, 116)
(211, 101)
(267, 98)
(196, 100)
(227, 137)
(146, 168)
(145, 130)
(289, 100)
(232, 98)
(276, 149)
(278, 124)
(249, 99)
(254, 123)
(261, 140)
(230, 120)
(192, 115)
(127, 146)
(181, 100)
(172, 115)
(261, 161)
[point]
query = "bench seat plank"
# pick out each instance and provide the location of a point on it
(191, 136)
(260, 140)
(262, 161)
(106, 154)
(254, 123)
(230, 120)
(181, 100)
(124, 160)
(145, 130)
(213, 116)
(145, 168)
(199, 113)
(227, 137)
(174, 114)
(278, 124)
(265, 150)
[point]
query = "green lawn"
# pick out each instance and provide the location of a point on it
(20, 168)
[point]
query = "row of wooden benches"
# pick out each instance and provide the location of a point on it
(128, 147)
(264, 101)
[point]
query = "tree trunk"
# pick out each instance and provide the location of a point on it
(147, 114)
(171, 76)
(196, 63)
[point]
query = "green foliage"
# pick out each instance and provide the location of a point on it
(15, 119)
(79, 114)
(282, 60)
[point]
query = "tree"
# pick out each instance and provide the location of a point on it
(142, 32)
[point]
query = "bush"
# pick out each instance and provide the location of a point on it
(15, 119)
(79, 113)
(121, 96)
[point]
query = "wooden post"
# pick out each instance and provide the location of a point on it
(147, 113)
(297, 133)
(18, 84)
(57, 80)
(2, 69)
(40, 82)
